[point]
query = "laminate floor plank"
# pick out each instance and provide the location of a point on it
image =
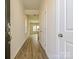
(31, 50)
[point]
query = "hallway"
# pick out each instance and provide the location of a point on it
(48, 25)
(31, 50)
(33, 18)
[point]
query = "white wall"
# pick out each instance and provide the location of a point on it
(48, 28)
(17, 27)
(42, 24)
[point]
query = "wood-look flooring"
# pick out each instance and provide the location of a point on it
(31, 50)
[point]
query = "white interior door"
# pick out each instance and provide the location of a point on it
(65, 28)
(43, 33)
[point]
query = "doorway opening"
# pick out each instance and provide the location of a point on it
(26, 16)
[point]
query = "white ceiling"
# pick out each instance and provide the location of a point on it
(32, 4)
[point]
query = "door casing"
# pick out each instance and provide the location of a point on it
(7, 29)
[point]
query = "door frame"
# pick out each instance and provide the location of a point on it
(7, 29)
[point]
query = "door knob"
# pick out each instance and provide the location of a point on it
(60, 35)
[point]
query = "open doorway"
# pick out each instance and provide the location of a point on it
(46, 22)
(25, 29)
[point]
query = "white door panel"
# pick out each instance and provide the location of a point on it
(69, 15)
(68, 36)
(69, 50)
(64, 23)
